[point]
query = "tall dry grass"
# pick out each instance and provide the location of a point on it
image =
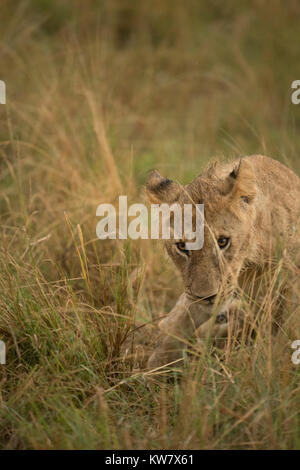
(98, 94)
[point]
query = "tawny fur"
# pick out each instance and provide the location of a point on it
(255, 201)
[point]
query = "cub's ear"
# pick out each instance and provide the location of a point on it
(243, 182)
(160, 189)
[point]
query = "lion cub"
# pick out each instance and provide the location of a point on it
(251, 211)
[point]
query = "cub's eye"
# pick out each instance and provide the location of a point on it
(181, 247)
(221, 318)
(223, 242)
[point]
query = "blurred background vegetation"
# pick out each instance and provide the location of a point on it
(99, 93)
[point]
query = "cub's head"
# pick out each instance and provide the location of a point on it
(228, 194)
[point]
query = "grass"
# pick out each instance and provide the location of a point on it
(97, 95)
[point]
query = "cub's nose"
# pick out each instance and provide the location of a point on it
(210, 299)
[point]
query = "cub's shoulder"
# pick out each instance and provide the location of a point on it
(272, 170)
